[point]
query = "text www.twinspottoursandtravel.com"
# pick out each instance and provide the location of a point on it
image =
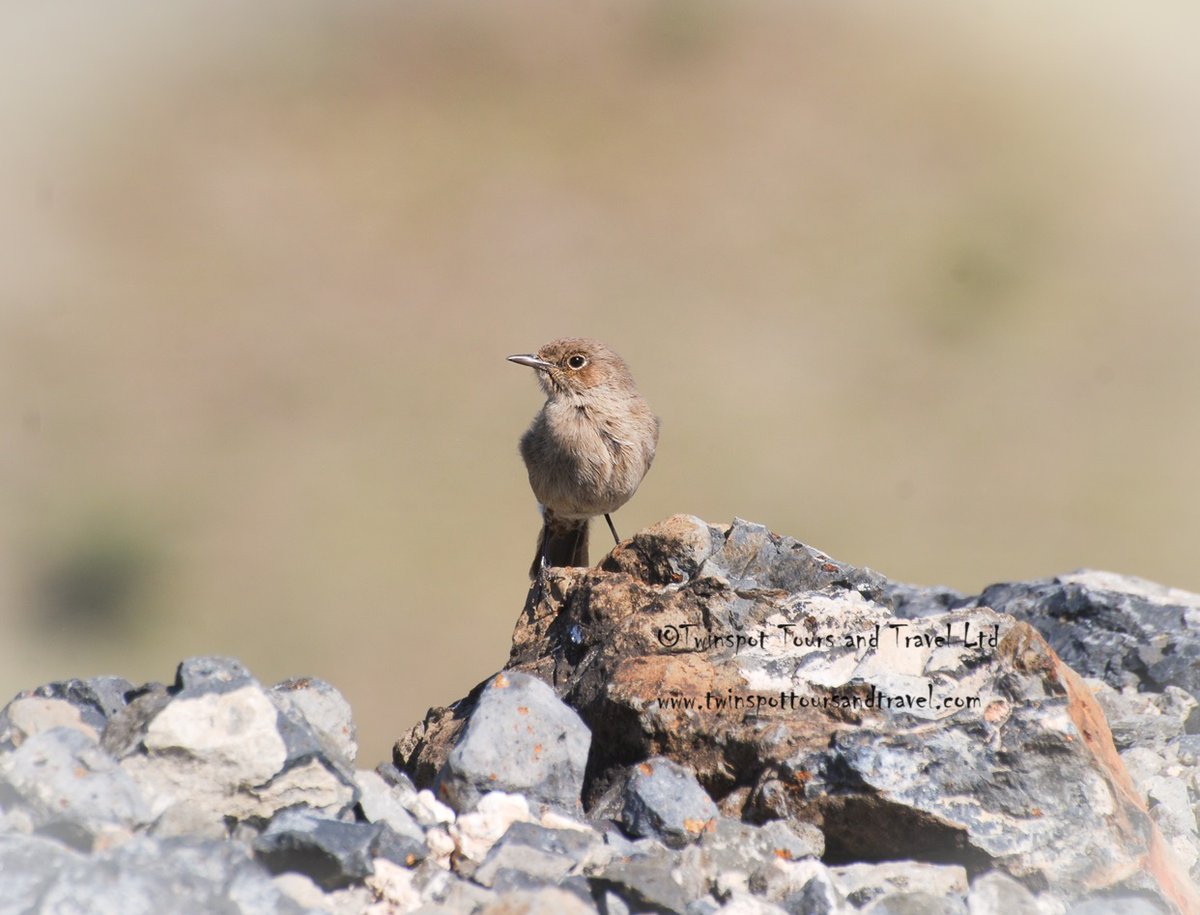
(792, 701)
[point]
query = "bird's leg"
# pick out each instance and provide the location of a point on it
(616, 539)
(538, 573)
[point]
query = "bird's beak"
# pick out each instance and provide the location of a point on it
(532, 361)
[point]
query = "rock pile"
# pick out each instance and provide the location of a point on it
(714, 719)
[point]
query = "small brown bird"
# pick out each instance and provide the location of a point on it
(589, 446)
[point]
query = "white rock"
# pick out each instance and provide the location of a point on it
(235, 734)
(310, 784)
(996, 893)
(1142, 764)
(429, 811)
(785, 878)
(730, 882)
(393, 888)
(548, 901)
(219, 755)
(553, 820)
(34, 714)
(441, 846)
(303, 891)
(1172, 805)
(862, 883)
(476, 832)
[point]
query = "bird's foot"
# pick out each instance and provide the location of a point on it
(537, 588)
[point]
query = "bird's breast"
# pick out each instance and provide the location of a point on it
(581, 461)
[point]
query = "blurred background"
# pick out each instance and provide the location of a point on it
(917, 285)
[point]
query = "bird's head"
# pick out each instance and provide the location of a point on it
(576, 365)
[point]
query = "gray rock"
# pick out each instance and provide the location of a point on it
(384, 803)
(996, 893)
(1149, 720)
(644, 885)
(141, 877)
(791, 841)
(540, 871)
(398, 780)
(1125, 630)
(125, 730)
(913, 601)
(70, 788)
(333, 853)
(818, 896)
(733, 846)
(1170, 803)
(521, 738)
(318, 733)
(662, 800)
(865, 883)
(107, 694)
(1118, 905)
(211, 674)
(750, 557)
(579, 886)
(509, 880)
(326, 712)
(1142, 764)
(618, 844)
(739, 902)
(535, 852)
(1186, 749)
(915, 904)
(442, 890)
(773, 841)
(29, 865)
(547, 901)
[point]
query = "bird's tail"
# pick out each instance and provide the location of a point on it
(562, 542)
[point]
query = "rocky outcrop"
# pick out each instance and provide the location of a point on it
(786, 681)
(714, 719)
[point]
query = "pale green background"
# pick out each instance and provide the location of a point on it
(918, 284)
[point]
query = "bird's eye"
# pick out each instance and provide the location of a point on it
(577, 361)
